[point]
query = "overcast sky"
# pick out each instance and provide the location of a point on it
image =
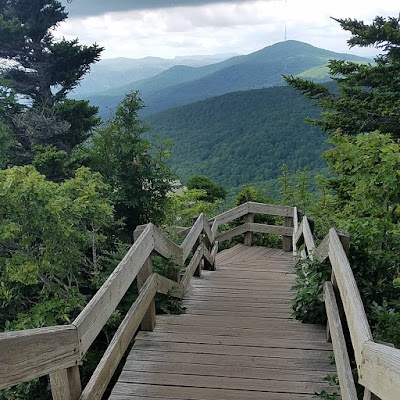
(169, 28)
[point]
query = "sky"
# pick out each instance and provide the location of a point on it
(169, 28)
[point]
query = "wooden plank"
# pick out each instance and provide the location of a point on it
(207, 359)
(214, 252)
(207, 231)
(193, 264)
(192, 237)
(321, 253)
(345, 375)
(231, 233)
(214, 229)
(242, 340)
(295, 228)
(170, 287)
(380, 370)
(93, 317)
(274, 229)
(126, 391)
(66, 384)
(235, 371)
(270, 209)
(166, 247)
(360, 331)
(369, 396)
(109, 362)
(308, 237)
(231, 214)
(207, 255)
(31, 353)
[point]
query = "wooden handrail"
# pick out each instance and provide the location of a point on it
(378, 365)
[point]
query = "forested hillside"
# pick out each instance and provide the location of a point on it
(264, 68)
(243, 137)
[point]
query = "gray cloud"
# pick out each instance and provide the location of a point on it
(81, 8)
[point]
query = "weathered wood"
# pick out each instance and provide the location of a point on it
(138, 231)
(298, 237)
(308, 237)
(231, 233)
(149, 320)
(287, 239)
(360, 331)
(232, 214)
(248, 236)
(207, 231)
(209, 258)
(273, 229)
(322, 251)
(66, 384)
(192, 237)
(214, 252)
(168, 286)
(369, 396)
(344, 237)
(345, 375)
(109, 362)
(380, 370)
(295, 228)
(93, 317)
(166, 247)
(194, 262)
(32, 353)
(270, 209)
(214, 229)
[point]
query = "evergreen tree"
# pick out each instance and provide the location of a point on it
(42, 71)
(367, 97)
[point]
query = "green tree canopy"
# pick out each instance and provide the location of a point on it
(213, 190)
(367, 96)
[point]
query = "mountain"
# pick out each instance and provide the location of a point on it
(242, 137)
(111, 73)
(264, 68)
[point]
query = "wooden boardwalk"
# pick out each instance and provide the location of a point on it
(236, 341)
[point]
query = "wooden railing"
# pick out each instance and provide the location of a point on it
(378, 364)
(58, 351)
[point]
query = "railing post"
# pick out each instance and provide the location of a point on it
(149, 319)
(248, 236)
(66, 384)
(369, 396)
(287, 241)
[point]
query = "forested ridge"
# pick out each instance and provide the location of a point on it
(243, 137)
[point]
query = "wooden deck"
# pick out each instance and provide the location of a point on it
(236, 341)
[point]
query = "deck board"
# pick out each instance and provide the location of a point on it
(237, 339)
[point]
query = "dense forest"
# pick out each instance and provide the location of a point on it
(74, 188)
(243, 137)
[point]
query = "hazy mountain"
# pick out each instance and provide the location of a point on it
(243, 137)
(264, 68)
(116, 72)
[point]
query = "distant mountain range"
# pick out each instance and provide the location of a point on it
(116, 72)
(184, 84)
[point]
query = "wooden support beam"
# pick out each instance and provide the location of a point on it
(287, 243)
(66, 384)
(248, 236)
(149, 320)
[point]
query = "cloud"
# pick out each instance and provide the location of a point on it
(80, 8)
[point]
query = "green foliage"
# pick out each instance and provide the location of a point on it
(187, 204)
(327, 396)
(138, 180)
(308, 305)
(367, 97)
(213, 191)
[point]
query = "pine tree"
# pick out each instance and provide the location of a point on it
(367, 96)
